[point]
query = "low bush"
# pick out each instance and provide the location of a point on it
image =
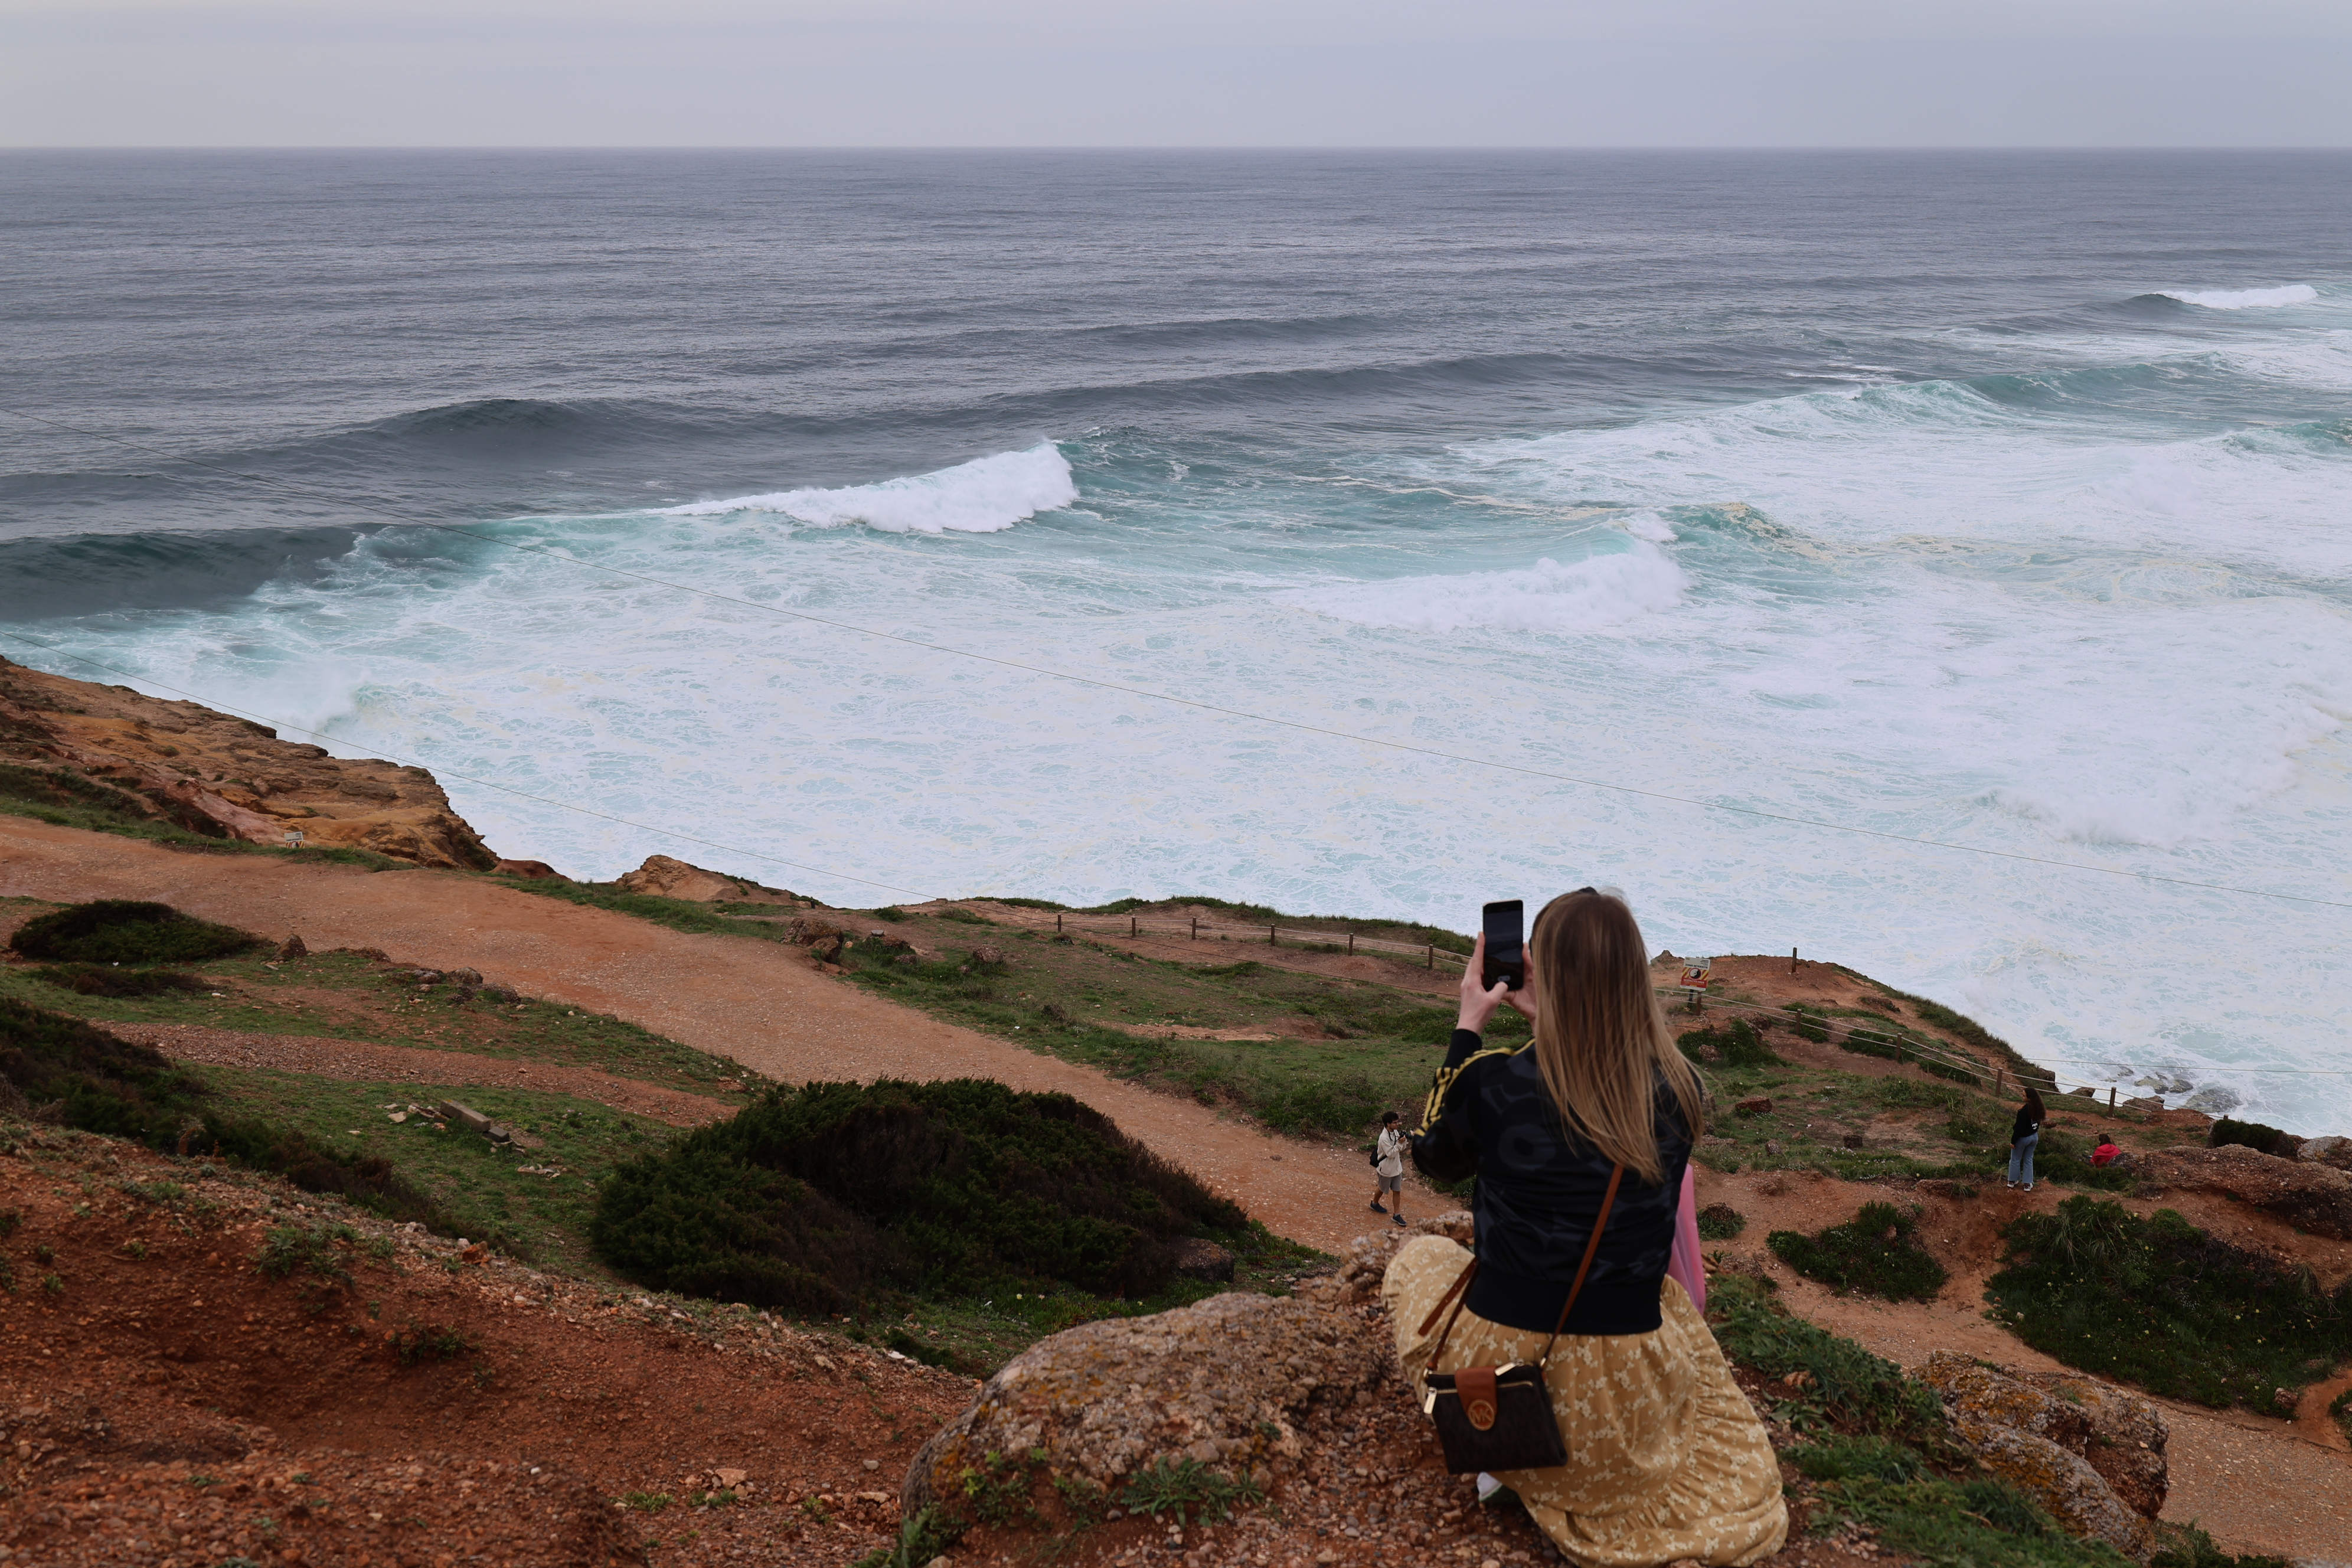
(1978, 1521)
(119, 931)
(2159, 1302)
(1877, 1251)
(1827, 1384)
(1806, 1023)
(1733, 1044)
(2065, 1158)
(104, 980)
(829, 1195)
(80, 1075)
(1720, 1222)
(2254, 1135)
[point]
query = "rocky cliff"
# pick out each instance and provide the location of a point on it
(224, 777)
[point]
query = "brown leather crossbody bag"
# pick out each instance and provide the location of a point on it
(1496, 1418)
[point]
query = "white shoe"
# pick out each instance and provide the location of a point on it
(1488, 1486)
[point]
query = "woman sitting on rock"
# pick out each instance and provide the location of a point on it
(1666, 1458)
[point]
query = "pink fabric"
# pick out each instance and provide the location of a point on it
(1686, 1264)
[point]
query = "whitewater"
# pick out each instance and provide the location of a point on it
(1745, 530)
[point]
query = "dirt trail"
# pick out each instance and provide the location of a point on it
(2257, 1484)
(328, 1057)
(759, 1002)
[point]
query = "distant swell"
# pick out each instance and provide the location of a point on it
(2242, 298)
(980, 497)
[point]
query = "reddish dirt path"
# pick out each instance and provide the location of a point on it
(329, 1058)
(759, 1002)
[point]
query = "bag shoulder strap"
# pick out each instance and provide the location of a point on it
(1600, 1223)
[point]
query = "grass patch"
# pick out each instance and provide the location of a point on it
(1976, 1522)
(833, 1195)
(119, 930)
(1876, 1252)
(314, 1249)
(1826, 1385)
(460, 1184)
(2160, 1303)
(1720, 1222)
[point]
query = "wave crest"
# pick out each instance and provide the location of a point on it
(2242, 298)
(983, 495)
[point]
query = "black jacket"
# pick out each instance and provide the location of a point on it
(1539, 1191)
(2026, 1125)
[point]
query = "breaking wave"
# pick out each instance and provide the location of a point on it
(2242, 298)
(983, 495)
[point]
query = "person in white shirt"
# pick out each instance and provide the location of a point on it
(1388, 1162)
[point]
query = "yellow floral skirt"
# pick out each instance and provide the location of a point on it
(1666, 1456)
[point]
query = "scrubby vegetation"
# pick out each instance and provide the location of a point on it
(824, 1198)
(105, 980)
(64, 1071)
(2160, 1303)
(1828, 1385)
(1720, 1222)
(2254, 1135)
(1733, 1044)
(64, 798)
(1877, 1252)
(118, 931)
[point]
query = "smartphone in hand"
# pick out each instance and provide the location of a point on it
(1506, 959)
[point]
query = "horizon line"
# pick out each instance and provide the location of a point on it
(1169, 147)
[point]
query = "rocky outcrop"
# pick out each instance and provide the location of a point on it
(224, 777)
(2333, 1152)
(1225, 1382)
(667, 879)
(2092, 1453)
(2309, 1194)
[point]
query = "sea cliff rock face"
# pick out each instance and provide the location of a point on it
(1223, 1382)
(2310, 1193)
(2332, 1151)
(668, 878)
(227, 777)
(2092, 1453)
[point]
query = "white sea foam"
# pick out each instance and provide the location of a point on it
(1592, 595)
(983, 496)
(2244, 298)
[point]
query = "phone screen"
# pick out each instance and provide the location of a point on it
(1506, 925)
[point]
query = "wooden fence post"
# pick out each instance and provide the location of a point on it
(1269, 936)
(1351, 944)
(1058, 922)
(1196, 928)
(1999, 1076)
(1792, 961)
(2111, 1096)
(1433, 955)
(1133, 930)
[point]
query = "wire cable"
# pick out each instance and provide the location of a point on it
(1098, 683)
(486, 783)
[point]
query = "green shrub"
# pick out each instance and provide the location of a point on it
(2186, 1546)
(1979, 1521)
(1344, 1104)
(2160, 1303)
(829, 1195)
(104, 980)
(291, 1248)
(1173, 1486)
(1808, 1023)
(1720, 1222)
(2254, 1135)
(87, 1078)
(1876, 1251)
(1871, 1043)
(117, 930)
(2065, 1158)
(1844, 1388)
(1735, 1044)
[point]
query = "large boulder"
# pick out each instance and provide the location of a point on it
(1225, 1382)
(2307, 1193)
(2117, 1433)
(2092, 1453)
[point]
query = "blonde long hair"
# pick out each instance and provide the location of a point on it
(1600, 1038)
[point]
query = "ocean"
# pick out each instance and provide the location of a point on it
(1997, 500)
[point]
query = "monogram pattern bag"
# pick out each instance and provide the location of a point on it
(1496, 1418)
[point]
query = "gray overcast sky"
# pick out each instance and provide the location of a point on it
(2231, 73)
